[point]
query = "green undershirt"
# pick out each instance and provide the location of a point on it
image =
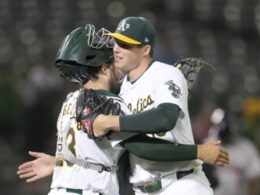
(159, 150)
(160, 119)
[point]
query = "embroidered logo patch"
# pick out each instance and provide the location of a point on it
(123, 26)
(176, 90)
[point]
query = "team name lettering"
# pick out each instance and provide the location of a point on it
(141, 104)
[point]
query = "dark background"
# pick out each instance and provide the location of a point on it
(224, 33)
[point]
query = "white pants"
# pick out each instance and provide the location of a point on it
(63, 191)
(195, 184)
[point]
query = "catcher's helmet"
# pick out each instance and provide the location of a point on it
(82, 50)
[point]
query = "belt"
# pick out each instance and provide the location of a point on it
(181, 174)
(156, 185)
(76, 191)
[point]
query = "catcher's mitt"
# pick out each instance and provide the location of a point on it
(190, 67)
(89, 104)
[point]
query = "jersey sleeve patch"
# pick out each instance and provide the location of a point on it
(175, 89)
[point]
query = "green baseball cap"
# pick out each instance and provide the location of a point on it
(135, 30)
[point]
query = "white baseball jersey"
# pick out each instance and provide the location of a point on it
(102, 151)
(160, 83)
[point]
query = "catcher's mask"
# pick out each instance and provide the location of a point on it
(83, 50)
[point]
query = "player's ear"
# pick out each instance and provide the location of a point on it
(147, 50)
(105, 69)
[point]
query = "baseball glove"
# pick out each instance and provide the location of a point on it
(190, 67)
(89, 104)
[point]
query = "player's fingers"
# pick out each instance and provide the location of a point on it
(32, 179)
(35, 154)
(27, 175)
(219, 164)
(223, 151)
(224, 156)
(25, 170)
(25, 165)
(223, 160)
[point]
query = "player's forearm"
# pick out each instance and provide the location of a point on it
(161, 119)
(159, 150)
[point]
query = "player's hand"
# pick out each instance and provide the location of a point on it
(99, 126)
(37, 169)
(89, 105)
(213, 154)
(104, 123)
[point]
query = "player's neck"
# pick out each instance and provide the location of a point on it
(136, 73)
(96, 85)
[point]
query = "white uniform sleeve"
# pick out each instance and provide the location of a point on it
(172, 88)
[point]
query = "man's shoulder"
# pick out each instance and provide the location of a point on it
(72, 94)
(163, 68)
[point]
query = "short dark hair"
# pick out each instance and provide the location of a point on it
(91, 73)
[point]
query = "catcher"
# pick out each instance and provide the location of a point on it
(84, 165)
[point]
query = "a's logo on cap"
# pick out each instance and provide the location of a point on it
(146, 40)
(123, 26)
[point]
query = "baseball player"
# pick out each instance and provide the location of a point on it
(157, 95)
(85, 166)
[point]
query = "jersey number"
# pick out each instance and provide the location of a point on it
(71, 142)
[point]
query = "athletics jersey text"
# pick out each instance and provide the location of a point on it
(141, 104)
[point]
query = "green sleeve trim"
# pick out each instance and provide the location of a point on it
(159, 150)
(160, 119)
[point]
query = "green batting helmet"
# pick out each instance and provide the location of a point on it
(81, 50)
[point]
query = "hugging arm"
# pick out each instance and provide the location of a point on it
(160, 119)
(161, 150)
